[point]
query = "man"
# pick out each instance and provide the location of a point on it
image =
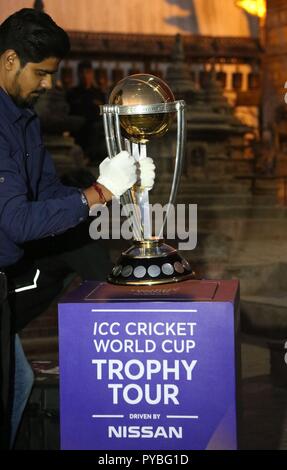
(5, 345)
(39, 217)
(84, 100)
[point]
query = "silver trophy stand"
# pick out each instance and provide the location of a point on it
(149, 260)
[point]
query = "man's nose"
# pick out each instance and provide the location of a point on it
(47, 82)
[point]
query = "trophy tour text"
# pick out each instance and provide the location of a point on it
(144, 379)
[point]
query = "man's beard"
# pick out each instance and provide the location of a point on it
(29, 100)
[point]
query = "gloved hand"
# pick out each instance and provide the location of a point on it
(146, 173)
(118, 174)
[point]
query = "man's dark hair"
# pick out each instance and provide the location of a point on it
(34, 36)
(84, 65)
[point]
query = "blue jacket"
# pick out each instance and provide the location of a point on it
(33, 202)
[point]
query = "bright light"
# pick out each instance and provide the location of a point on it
(254, 7)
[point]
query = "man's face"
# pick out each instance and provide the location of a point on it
(86, 77)
(32, 80)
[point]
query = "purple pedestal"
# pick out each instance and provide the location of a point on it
(149, 367)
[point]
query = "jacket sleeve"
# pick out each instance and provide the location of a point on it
(23, 220)
(50, 185)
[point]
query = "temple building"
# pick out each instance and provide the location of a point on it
(140, 39)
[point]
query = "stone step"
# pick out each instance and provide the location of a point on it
(257, 277)
(229, 201)
(189, 187)
(41, 347)
(43, 330)
(263, 212)
(237, 228)
(214, 187)
(265, 315)
(225, 199)
(223, 212)
(245, 228)
(46, 324)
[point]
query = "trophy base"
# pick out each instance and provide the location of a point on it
(150, 262)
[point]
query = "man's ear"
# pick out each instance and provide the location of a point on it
(11, 60)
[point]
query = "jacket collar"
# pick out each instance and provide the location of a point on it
(12, 111)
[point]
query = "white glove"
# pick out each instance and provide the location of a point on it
(118, 174)
(146, 173)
